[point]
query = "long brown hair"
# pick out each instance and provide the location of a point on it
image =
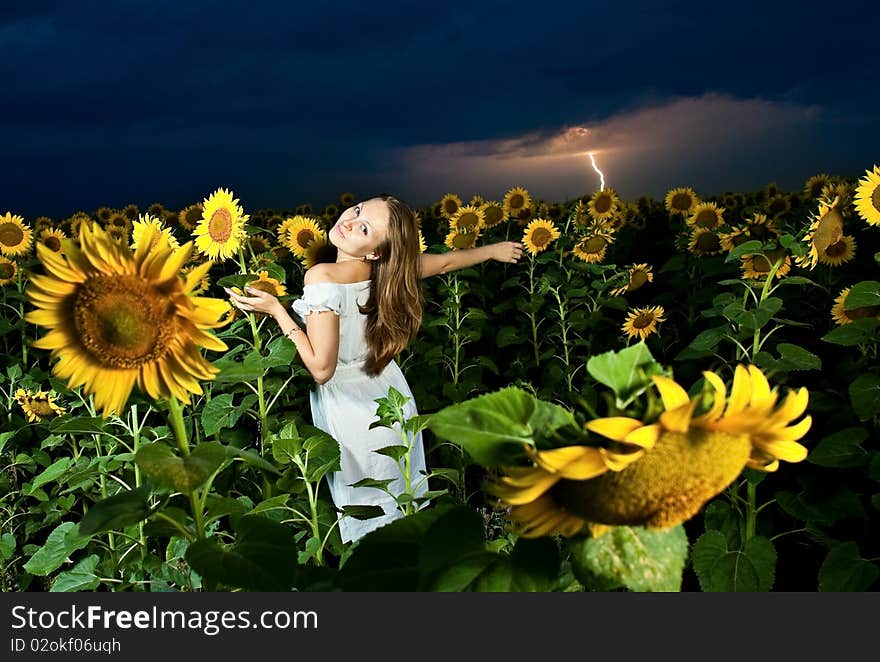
(394, 307)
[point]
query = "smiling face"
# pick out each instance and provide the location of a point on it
(361, 229)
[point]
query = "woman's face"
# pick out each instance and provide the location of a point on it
(361, 228)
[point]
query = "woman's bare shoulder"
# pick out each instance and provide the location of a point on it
(331, 272)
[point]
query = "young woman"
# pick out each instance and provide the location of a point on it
(360, 312)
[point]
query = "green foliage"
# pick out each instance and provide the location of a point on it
(719, 568)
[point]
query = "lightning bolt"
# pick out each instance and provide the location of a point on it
(596, 168)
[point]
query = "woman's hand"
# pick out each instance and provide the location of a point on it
(258, 302)
(507, 251)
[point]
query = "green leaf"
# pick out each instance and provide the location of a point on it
(758, 317)
(160, 464)
(626, 372)
(792, 357)
(862, 295)
(492, 428)
(220, 506)
(77, 425)
(823, 507)
(263, 557)
(159, 527)
(363, 512)
(721, 569)
(508, 335)
(232, 371)
(282, 353)
(221, 413)
(252, 458)
(748, 247)
(720, 515)
(390, 409)
(63, 541)
(7, 546)
(840, 450)
(82, 577)
(536, 563)
(52, 472)
(798, 280)
(864, 393)
(451, 538)
(117, 511)
(708, 339)
(322, 453)
(844, 569)
(635, 557)
(394, 452)
(373, 482)
(855, 333)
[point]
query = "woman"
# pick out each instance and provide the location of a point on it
(375, 297)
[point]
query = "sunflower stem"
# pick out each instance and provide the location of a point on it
(756, 345)
(136, 434)
(532, 316)
(175, 420)
(751, 511)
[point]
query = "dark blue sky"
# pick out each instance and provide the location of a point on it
(108, 103)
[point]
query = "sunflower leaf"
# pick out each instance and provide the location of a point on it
(864, 393)
(626, 372)
(82, 577)
(862, 295)
(844, 569)
(721, 569)
(748, 247)
(841, 450)
(159, 463)
(63, 541)
(855, 333)
(118, 511)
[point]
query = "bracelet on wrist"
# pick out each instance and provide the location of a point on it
(289, 333)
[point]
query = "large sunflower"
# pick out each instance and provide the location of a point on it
(638, 275)
(539, 234)
(868, 197)
(516, 200)
(221, 228)
(681, 201)
(467, 219)
(38, 405)
(15, 236)
(592, 246)
(840, 252)
(656, 474)
(52, 239)
(642, 322)
(706, 215)
(117, 318)
(826, 229)
(449, 204)
(842, 316)
(297, 234)
(155, 228)
(318, 252)
(189, 217)
(758, 265)
(8, 270)
(266, 283)
(458, 240)
(603, 204)
(704, 241)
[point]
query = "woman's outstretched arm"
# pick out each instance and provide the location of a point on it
(441, 263)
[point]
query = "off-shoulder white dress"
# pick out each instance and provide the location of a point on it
(344, 407)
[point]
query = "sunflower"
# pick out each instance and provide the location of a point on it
(758, 265)
(842, 316)
(704, 241)
(104, 214)
(15, 236)
(77, 221)
(8, 270)
(538, 235)
(681, 201)
(221, 228)
(657, 474)
(642, 322)
(38, 405)
(477, 200)
(346, 199)
(43, 223)
(592, 246)
(449, 204)
(515, 201)
(318, 252)
(422, 245)
(204, 280)
(706, 215)
(629, 215)
(117, 318)
(638, 275)
(189, 217)
(437, 210)
(555, 213)
(729, 200)
(156, 209)
(815, 184)
(120, 221)
(417, 217)
(458, 240)
(298, 232)
(826, 229)
(467, 219)
(603, 204)
(330, 213)
(155, 228)
(840, 252)
(257, 244)
(131, 212)
(839, 189)
(118, 234)
(266, 283)
(868, 197)
(52, 239)
(772, 190)
(777, 205)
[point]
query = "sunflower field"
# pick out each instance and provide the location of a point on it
(662, 395)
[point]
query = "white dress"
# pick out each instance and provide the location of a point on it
(344, 407)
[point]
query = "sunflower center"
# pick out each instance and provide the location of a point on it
(52, 243)
(706, 219)
(41, 407)
(493, 215)
(836, 249)
(681, 201)
(516, 201)
(220, 225)
(643, 321)
(669, 485)
(863, 312)
(594, 244)
(11, 234)
(637, 279)
(777, 205)
(123, 321)
(120, 221)
(708, 241)
(304, 237)
(468, 221)
(7, 270)
(463, 240)
(541, 237)
(264, 286)
(602, 204)
(450, 206)
(875, 198)
(193, 216)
